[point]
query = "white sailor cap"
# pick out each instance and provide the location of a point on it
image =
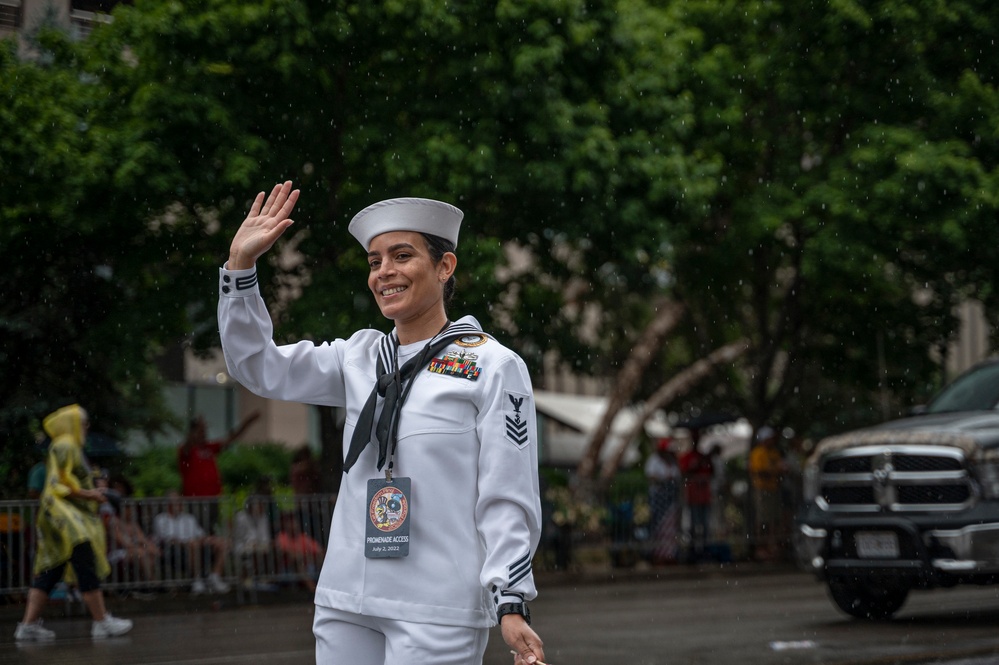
(421, 215)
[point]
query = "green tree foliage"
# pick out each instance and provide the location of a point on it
(84, 303)
(242, 466)
(817, 178)
(857, 196)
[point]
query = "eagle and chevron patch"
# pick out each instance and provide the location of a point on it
(515, 408)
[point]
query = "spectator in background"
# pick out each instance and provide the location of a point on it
(36, 479)
(663, 475)
(197, 461)
(71, 539)
(251, 530)
(121, 485)
(298, 551)
(792, 486)
(254, 525)
(109, 508)
(181, 531)
(719, 495)
(131, 548)
(304, 481)
(766, 468)
(252, 538)
(304, 473)
(697, 474)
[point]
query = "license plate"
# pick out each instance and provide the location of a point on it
(877, 544)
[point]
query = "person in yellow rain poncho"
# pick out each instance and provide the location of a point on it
(70, 534)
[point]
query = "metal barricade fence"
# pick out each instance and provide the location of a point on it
(16, 544)
(205, 545)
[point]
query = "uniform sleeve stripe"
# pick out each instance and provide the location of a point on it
(247, 282)
(519, 562)
(521, 576)
(519, 569)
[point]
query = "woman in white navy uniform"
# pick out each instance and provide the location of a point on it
(438, 515)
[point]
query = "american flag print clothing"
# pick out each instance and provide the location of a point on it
(664, 526)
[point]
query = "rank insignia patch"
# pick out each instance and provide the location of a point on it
(515, 418)
(456, 363)
(469, 341)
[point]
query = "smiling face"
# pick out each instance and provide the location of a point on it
(407, 284)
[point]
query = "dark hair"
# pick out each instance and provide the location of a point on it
(438, 247)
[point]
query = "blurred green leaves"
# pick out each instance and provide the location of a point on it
(795, 174)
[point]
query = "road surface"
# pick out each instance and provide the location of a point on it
(776, 618)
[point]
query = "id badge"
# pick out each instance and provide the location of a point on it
(387, 530)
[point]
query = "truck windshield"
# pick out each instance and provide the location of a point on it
(976, 390)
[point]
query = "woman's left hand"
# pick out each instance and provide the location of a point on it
(527, 646)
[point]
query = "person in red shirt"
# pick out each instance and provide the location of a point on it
(197, 462)
(697, 470)
(299, 551)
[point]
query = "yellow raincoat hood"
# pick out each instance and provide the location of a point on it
(66, 424)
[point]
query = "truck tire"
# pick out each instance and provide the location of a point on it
(865, 598)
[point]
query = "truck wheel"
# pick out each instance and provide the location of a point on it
(864, 599)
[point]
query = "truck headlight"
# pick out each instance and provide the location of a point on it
(810, 481)
(987, 474)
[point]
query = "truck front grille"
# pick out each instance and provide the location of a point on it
(895, 478)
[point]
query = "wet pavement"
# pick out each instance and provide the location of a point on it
(274, 634)
(682, 616)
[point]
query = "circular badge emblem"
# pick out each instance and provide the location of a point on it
(469, 341)
(388, 509)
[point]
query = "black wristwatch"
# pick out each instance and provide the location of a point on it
(513, 608)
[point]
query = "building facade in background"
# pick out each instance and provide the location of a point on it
(79, 16)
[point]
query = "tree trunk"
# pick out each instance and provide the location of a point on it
(669, 391)
(627, 382)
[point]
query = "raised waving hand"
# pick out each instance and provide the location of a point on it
(263, 225)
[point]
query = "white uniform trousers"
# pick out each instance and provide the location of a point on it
(345, 638)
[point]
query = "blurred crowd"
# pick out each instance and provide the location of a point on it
(702, 502)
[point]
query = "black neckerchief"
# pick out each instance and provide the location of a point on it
(390, 387)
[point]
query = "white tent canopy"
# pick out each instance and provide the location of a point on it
(582, 414)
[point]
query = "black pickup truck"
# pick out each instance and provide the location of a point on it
(909, 504)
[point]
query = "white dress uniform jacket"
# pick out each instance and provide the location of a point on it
(469, 446)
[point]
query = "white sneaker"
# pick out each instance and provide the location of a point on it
(110, 627)
(33, 632)
(198, 587)
(217, 584)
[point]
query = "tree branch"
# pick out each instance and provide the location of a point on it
(678, 385)
(628, 379)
